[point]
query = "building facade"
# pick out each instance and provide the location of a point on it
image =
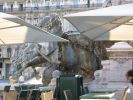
(34, 11)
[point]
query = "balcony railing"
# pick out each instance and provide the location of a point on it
(3, 55)
(57, 7)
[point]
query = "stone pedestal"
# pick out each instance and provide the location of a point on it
(120, 61)
(113, 73)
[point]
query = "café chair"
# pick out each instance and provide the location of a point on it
(85, 90)
(68, 94)
(18, 89)
(7, 88)
(33, 94)
(23, 95)
(24, 87)
(125, 94)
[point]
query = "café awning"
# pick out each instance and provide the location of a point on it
(111, 23)
(15, 30)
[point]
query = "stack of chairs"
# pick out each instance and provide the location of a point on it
(34, 94)
(22, 92)
(25, 92)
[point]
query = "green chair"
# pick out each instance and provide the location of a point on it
(86, 90)
(18, 89)
(33, 95)
(68, 94)
(23, 95)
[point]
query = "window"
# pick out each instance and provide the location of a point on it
(11, 7)
(0, 52)
(9, 52)
(20, 7)
(75, 3)
(58, 5)
(0, 64)
(1, 8)
(7, 70)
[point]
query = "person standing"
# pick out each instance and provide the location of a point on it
(12, 80)
(129, 76)
(21, 79)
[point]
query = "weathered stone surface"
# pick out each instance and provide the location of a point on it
(81, 55)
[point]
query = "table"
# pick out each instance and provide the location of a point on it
(103, 90)
(98, 96)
